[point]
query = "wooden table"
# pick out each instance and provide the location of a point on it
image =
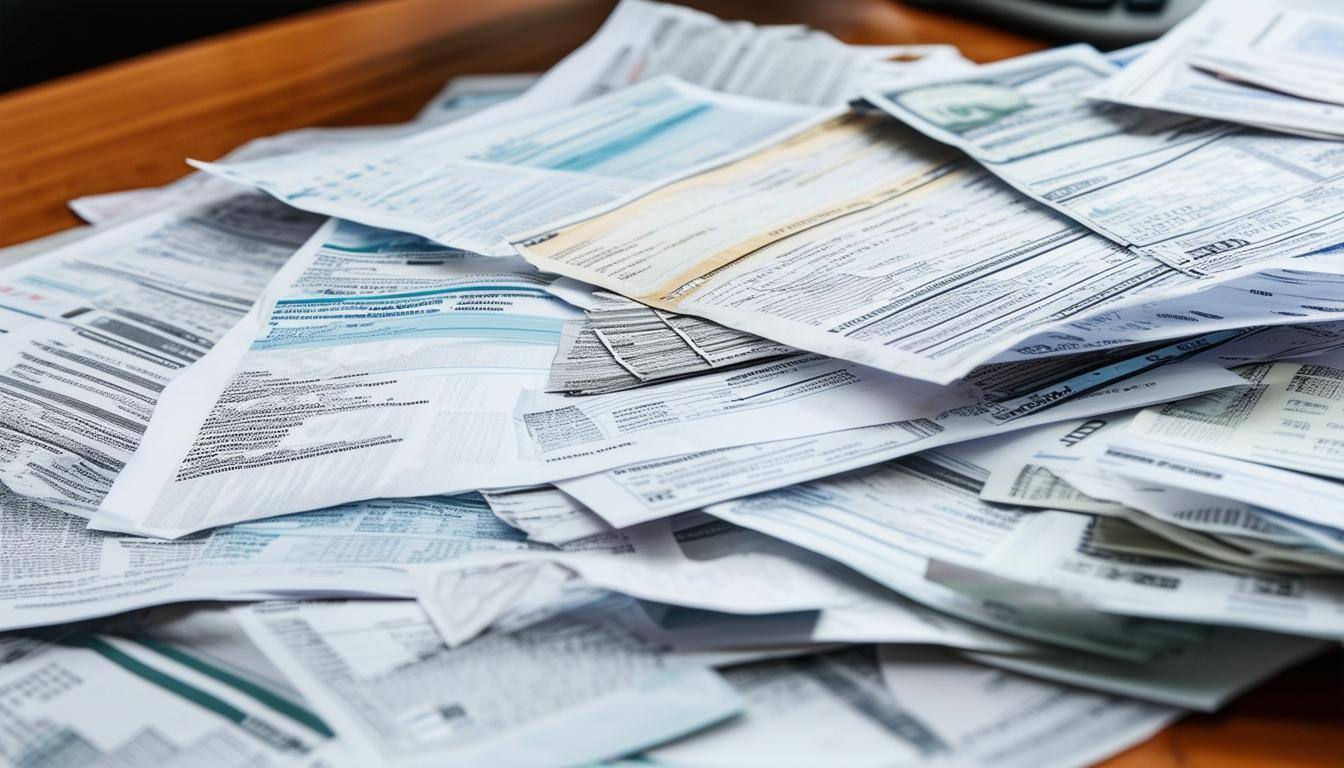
(131, 124)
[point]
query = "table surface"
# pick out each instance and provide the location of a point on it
(131, 124)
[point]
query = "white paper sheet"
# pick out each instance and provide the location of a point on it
(570, 690)
(546, 514)
(1279, 59)
(888, 523)
(880, 248)
(94, 699)
(920, 707)
(95, 329)
(1139, 177)
(1063, 569)
(462, 96)
(622, 344)
(472, 188)
(376, 352)
(1202, 677)
(698, 562)
(55, 570)
(1291, 415)
(1051, 725)
(650, 490)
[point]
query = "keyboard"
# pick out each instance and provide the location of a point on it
(1104, 23)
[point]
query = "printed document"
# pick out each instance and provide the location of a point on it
(89, 699)
(693, 561)
(470, 189)
(545, 513)
(462, 96)
(1200, 195)
(650, 490)
(53, 569)
(881, 248)
(930, 516)
(889, 523)
(1312, 506)
(96, 329)
(622, 344)
(381, 365)
(574, 689)
(909, 706)
(1203, 676)
(787, 63)
(1291, 415)
(1271, 63)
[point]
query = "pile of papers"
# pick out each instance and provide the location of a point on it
(725, 396)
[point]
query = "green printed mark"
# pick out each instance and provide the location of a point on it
(284, 706)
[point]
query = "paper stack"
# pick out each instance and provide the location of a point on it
(725, 396)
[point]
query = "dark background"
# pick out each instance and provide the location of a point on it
(42, 39)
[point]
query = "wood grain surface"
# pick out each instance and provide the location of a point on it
(132, 124)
